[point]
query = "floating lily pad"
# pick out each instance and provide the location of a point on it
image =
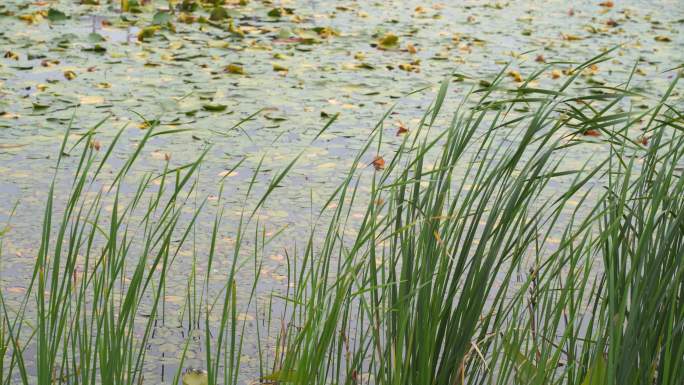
(40, 106)
(214, 107)
(162, 17)
(218, 14)
(55, 15)
(235, 69)
(388, 41)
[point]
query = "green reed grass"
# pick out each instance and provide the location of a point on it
(468, 277)
(469, 264)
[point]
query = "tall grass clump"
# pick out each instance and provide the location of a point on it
(471, 265)
(477, 252)
(98, 287)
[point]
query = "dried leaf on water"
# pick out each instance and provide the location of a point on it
(402, 129)
(70, 75)
(571, 37)
(11, 55)
(378, 163)
(516, 76)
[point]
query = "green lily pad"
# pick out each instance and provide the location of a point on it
(95, 37)
(214, 107)
(161, 17)
(56, 15)
(280, 12)
(218, 14)
(40, 106)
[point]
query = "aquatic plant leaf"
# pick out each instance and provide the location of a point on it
(195, 377)
(214, 107)
(95, 37)
(235, 69)
(148, 32)
(388, 41)
(280, 12)
(218, 14)
(56, 15)
(162, 17)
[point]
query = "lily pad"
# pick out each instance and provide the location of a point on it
(388, 41)
(40, 106)
(55, 15)
(95, 37)
(195, 377)
(235, 69)
(162, 17)
(218, 14)
(214, 107)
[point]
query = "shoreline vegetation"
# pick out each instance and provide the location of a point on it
(457, 273)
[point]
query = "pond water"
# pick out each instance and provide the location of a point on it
(293, 68)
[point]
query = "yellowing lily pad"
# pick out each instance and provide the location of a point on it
(195, 377)
(92, 99)
(235, 69)
(388, 41)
